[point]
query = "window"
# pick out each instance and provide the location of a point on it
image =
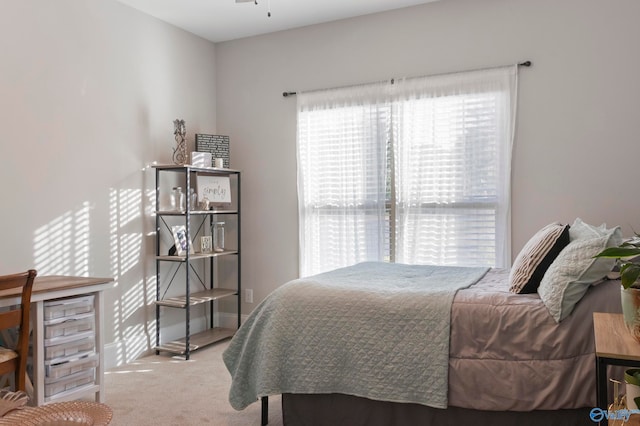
(414, 172)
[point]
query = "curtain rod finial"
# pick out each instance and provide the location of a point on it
(525, 64)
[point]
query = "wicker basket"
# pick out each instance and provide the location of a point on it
(72, 413)
(12, 400)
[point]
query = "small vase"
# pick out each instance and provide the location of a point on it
(180, 151)
(630, 299)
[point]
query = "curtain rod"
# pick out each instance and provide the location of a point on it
(521, 64)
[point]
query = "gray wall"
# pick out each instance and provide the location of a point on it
(89, 90)
(88, 94)
(578, 123)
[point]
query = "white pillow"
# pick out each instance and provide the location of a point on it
(581, 230)
(575, 269)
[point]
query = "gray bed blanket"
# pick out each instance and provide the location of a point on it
(376, 330)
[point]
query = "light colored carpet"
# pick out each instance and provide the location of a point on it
(161, 390)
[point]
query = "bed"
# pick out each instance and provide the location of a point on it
(506, 356)
(350, 346)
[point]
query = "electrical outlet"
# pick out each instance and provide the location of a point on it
(248, 295)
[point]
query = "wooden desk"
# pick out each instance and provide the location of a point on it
(56, 287)
(614, 346)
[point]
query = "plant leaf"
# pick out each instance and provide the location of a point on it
(632, 376)
(619, 252)
(629, 274)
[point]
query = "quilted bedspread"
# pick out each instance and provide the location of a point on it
(376, 330)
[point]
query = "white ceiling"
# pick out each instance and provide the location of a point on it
(221, 20)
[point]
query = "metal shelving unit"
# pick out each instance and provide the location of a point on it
(187, 265)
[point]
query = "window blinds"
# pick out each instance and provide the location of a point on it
(414, 172)
(342, 139)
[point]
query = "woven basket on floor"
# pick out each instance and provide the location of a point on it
(72, 413)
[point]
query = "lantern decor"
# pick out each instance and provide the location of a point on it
(180, 151)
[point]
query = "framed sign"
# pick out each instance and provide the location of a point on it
(217, 145)
(216, 189)
(206, 244)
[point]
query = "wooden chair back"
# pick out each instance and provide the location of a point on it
(13, 358)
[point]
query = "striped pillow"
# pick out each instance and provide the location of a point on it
(536, 257)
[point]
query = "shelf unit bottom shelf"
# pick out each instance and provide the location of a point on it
(197, 340)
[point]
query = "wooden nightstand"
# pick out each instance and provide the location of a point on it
(614, 346)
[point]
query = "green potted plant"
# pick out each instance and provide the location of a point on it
(627, 257)
(632, 387)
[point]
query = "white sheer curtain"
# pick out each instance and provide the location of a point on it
(453, 137)
(342, 156)
(414, 172)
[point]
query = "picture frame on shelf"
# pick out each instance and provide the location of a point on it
(216, 145)
(181, 240)
(213, 188)
(206, 244)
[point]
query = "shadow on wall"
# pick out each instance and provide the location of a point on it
(72, 244)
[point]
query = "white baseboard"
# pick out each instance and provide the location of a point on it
(228, 319)
(123, 352)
